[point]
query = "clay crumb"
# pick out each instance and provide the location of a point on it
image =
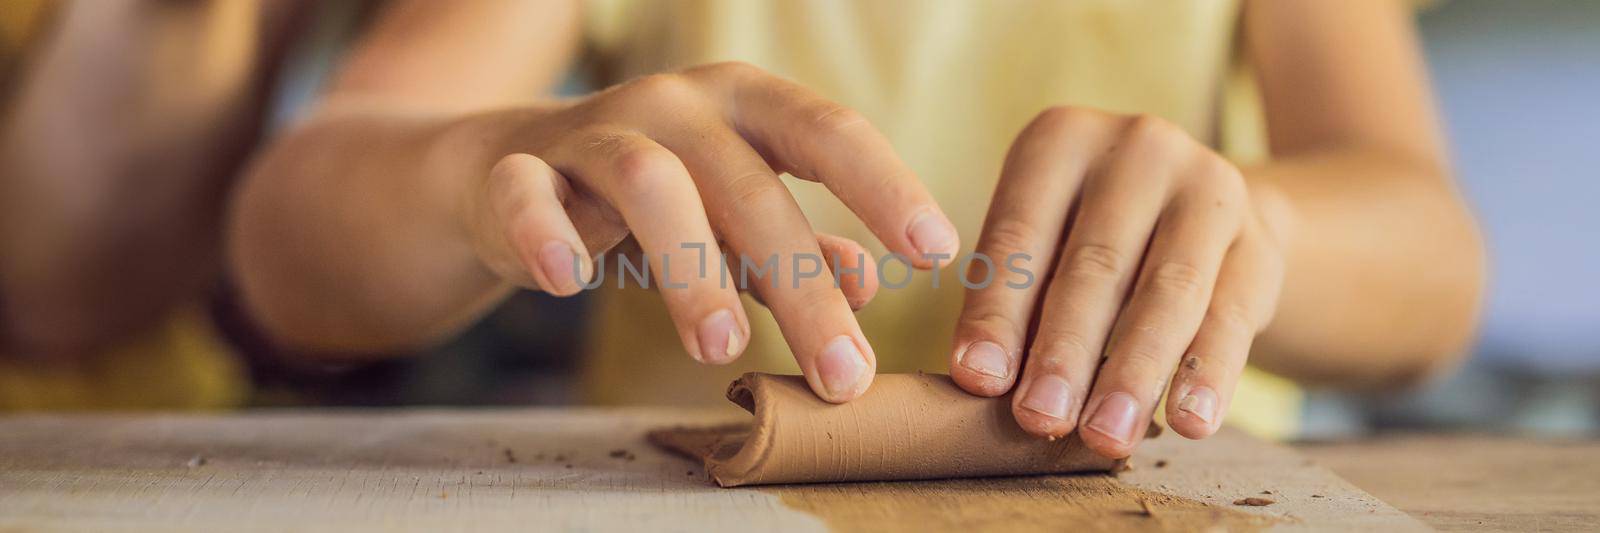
(511, 457)
(1266, 492)
(1254, 502)
(1145, 505)
(622, 454)
(196, 461)
(1161, 463)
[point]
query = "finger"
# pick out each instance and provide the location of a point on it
(852, 268)
(1241, 305)
(524, 199)
(1121, 200)
(653, 191)
(1168, 302)
(761, 222)
(1026, 219)
(816, 139)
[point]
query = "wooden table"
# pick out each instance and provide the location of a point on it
(581, 469)
(1475, 483)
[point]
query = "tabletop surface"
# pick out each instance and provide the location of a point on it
(589, 469)
(1475, 482)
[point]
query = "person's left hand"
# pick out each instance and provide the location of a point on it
(1165, 272)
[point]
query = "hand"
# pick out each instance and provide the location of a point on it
(693, 158)
(1165, 273)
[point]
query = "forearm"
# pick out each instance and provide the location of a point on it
(1385, 268)
(346, 236)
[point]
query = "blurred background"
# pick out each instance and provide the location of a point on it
(1517, 83)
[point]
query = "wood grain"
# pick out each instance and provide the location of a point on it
(580, 469)
(1476, 483)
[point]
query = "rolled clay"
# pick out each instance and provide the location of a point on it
(907, 426)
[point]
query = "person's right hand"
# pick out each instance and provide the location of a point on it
(693, 158)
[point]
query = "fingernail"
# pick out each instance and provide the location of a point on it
(930, 233)
(1048, 395)
(1200, 402)
(1115, 417)
(556, 258)
(841, 366)
(719, 337)
(987, 358)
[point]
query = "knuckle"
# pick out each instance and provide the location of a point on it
(1063, 116)
(991, 324)
(816, 300)
(601, 144)
(1150, 132)
(836, 119)
(725, 70)
(1008, 236)
(640, 168)
(745, 189)
(1093, 261)
(1052, 352)
(1047, 362)
(1223, 179)
(1142, 358)
(662, 88)
(514, 167)
(1176, 278)
(1218, 167)
(506, 191)
(1232, 317)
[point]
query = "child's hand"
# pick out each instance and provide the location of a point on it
(1150, 263)
(690, 160)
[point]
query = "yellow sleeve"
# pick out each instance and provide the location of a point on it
(182, 364)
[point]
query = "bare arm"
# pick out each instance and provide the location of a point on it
(345, 237)
(1385, 267)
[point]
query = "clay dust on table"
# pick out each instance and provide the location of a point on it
(1037, 503)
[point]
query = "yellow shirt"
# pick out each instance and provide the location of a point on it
(950, 83)
(183, 363)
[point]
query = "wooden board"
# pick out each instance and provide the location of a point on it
(452, 470)
(1476, 482)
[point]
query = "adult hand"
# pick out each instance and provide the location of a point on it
(1150, 263)
(692, 158)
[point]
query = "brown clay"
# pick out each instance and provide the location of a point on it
(908, 426)
(1254, 501)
